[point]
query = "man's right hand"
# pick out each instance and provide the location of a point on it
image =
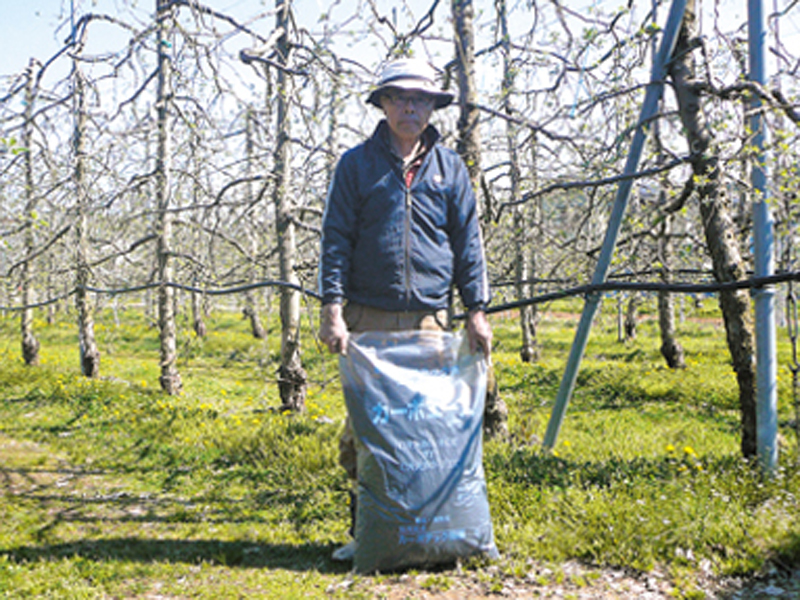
(333, 330)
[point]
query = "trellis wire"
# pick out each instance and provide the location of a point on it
(580, 290)
(789, 277)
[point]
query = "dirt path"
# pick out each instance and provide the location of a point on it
(585, 583)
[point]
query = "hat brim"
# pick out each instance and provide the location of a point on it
(441, 99)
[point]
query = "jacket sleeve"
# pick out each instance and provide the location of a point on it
(338, 233)
(466, 241)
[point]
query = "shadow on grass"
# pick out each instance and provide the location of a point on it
(76, 510)
(152, 513)
(85, 506)
(302, 557)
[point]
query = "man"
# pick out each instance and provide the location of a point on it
(400, 229)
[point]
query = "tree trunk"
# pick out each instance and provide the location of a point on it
(198, 314)
(30, 345)
(534, 227)
(250, 304)
(720, 232)
(170, 377)
(198, 323)
(469, 142)
(89, 353)
(52, 290)
(332, 141)
(496, 414)
(632, 316)
(671, 348)
(291, 375)
(522, 259)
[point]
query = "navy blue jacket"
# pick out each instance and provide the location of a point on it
(400, 248)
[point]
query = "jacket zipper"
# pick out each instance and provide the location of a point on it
(407, 244)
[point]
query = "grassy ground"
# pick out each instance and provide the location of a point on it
(112, 489)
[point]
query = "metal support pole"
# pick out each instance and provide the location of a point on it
(766, 365)
(649, 109)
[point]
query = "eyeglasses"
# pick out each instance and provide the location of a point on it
(418, 100)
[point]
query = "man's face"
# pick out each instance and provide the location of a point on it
(407, 112)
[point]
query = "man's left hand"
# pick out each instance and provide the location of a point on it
(479, 332)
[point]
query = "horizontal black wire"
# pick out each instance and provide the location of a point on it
(637, 286)
(179, 286)
(581, 290)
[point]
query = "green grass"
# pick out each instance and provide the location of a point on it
(114, 489)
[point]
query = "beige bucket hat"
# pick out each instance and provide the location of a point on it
(409, 74)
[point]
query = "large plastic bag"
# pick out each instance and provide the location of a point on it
(415, 401)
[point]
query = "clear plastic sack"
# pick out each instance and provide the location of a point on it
(415, 401)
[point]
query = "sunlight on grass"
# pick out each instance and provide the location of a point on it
(146, 490)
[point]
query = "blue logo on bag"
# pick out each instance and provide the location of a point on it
(415, 411)
(380, 415)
